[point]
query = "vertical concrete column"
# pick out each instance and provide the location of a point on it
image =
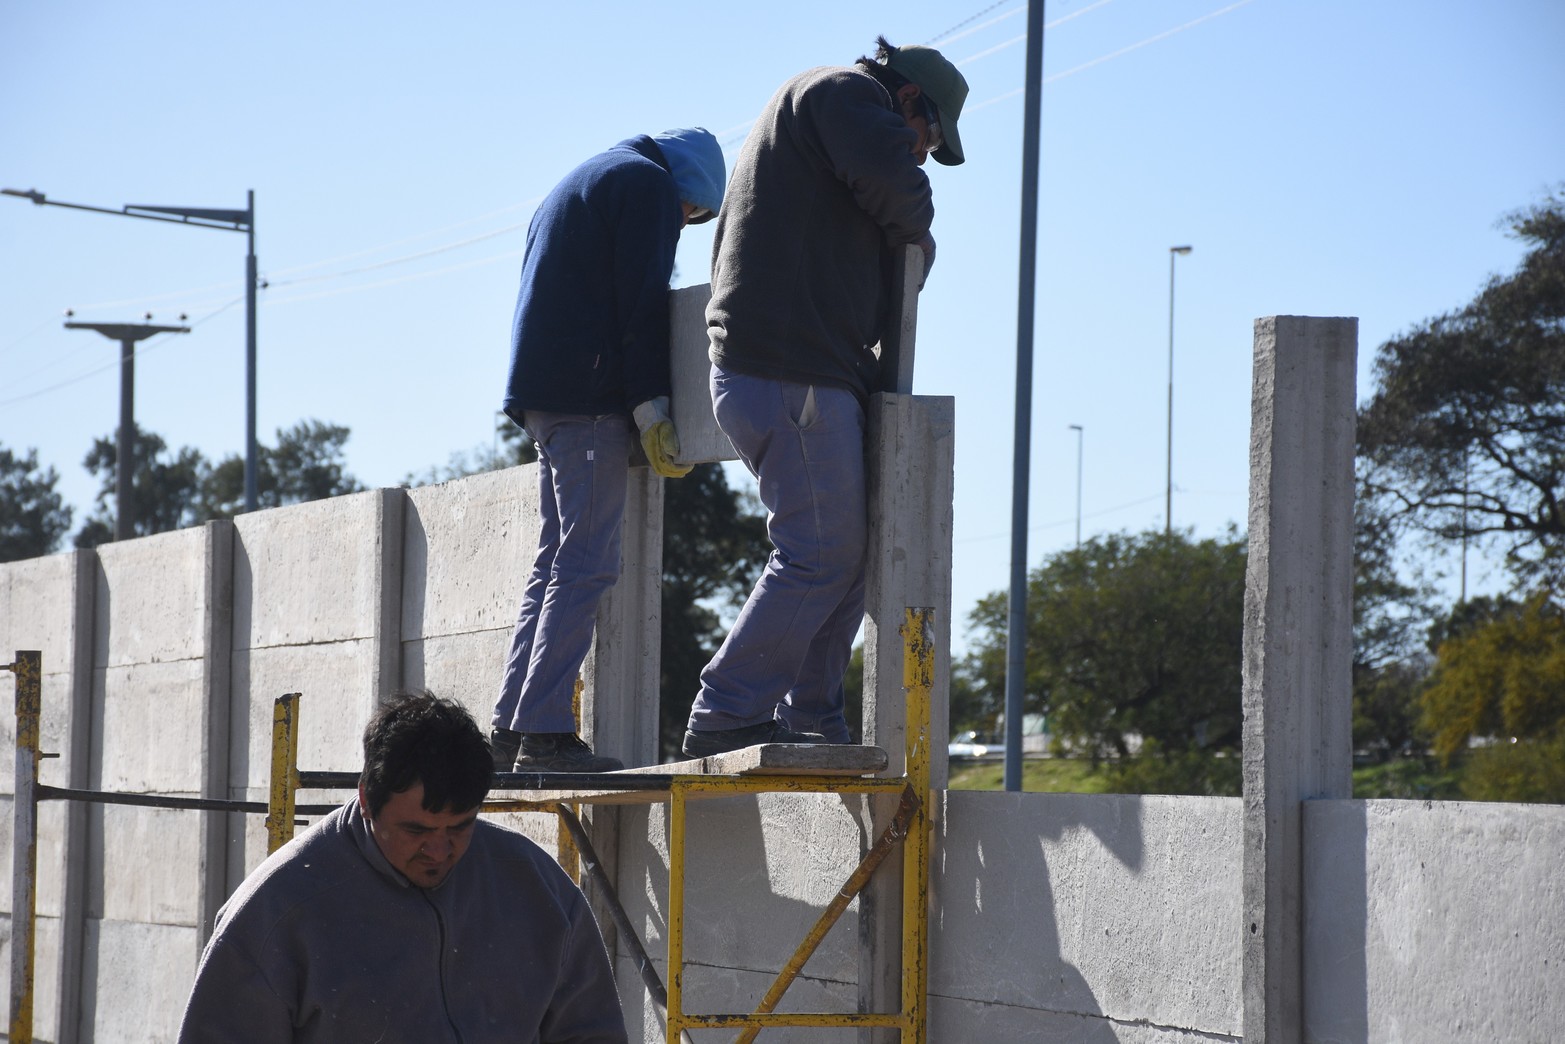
(217, 695)
(911, 469)
(1298, 641)
(619, 713)
(911, 482)
(390, 521)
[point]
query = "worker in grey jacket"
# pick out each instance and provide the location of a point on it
(402, 917)
(828, 185)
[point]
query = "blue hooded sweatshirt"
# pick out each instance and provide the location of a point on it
(590, 332)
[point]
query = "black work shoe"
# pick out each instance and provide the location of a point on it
(560, 752)
(721, 741)
(503, 745)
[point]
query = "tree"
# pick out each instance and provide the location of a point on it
(306, 464)
(172, 491)
(1390, 610)
(1501, 684)
(166, 489)
(714, 547)
(33, 517)
(1134, 637)
(515, 447)
(1465, 433)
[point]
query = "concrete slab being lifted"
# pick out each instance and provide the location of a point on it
(766, 759)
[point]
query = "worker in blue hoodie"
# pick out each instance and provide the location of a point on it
(589, 377)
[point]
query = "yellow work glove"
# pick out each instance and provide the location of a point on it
(658, 438)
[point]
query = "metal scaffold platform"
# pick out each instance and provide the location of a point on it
(773, 768)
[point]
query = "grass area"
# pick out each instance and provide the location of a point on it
(1039, 775)
(1409, 778)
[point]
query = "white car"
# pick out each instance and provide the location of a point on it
(967, 745)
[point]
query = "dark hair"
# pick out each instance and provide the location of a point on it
(417, 737)
(884, 74)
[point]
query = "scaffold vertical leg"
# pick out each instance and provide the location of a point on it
(285, 772)
(676, 911)
(24, 841)
(918, 678)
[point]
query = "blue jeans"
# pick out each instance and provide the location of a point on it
(789, 648)
(582, 472)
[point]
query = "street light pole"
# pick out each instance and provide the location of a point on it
(125, 445)
(1078, 430)
(1168, 488)
(202, 217)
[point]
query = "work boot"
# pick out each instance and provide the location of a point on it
(503, 744)
(704, 744)
(561, 752)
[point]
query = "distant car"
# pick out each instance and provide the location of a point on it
(967, 745)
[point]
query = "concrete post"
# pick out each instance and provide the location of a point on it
(217, 702)
(911, 480)
(619, 712)
(390, 522)
(1298, 641)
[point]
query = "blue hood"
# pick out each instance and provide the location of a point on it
(696, 162)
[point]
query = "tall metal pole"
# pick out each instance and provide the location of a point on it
(201, 217)
(1078, 430)
(252, 484)
(1016, 625)
(1168, 489)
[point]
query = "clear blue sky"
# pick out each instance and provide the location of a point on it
(1324, 157)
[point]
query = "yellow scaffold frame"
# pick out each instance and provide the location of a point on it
(910, 826)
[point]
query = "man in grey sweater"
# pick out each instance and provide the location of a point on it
(829, 184)
(402, 917)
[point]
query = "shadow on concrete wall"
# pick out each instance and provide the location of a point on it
(1336, 917)
(746, 914)
(996, 897)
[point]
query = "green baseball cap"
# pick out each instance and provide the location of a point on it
(938, 79)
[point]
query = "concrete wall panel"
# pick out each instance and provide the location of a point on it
(46, 977)
(723, 990)
(164, 845)
(1433, 921)
(151, 601)
(700, 439)
(462, 667)
(151, 732)
(143, 974)
(758, 871)
(306, 574)
(1111, 905)
(468, 548)
(42, 603)
(972, 1021)
(336, 683)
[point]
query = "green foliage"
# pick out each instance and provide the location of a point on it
(1155, 770)
(174, 490)
(1408, 779)
(514, 446)
(1523, 770)
(165, 492)
(1133, 636)
(1465, 434)
(1503, 680)
(33, 517)
(714, 547)
(306, 464)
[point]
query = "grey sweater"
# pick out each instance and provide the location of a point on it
(826, 184)
(325, 941)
